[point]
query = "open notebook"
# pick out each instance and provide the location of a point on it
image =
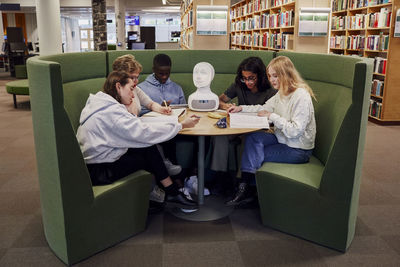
(247, 120)
(175, 112)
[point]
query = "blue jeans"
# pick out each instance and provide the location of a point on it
(263, 147)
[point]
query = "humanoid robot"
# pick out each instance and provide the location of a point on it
(203, 99)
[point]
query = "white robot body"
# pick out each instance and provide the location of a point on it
(203, 101)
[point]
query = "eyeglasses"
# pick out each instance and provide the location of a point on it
(249, 79)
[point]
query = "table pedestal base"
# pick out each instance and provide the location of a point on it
(214, 208)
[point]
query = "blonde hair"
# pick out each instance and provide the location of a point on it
(127, 63)
(289, 78)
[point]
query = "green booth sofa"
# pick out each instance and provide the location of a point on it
(318, 201)
(80, 219)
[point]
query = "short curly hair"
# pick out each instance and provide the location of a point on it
(127, 63)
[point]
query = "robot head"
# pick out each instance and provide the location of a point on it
(203, 74)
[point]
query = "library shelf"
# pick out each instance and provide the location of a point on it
(371, 25)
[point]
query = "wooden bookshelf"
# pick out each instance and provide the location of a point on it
(189, 39)
(355, 31)
(263, 25)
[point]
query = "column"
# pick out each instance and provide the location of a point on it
(120, 23)
(49, 26)
(99, 16)
(1, 30)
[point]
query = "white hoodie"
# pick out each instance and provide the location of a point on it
(107, 130)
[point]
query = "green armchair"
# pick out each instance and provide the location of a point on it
(79, 219)
(318, 201)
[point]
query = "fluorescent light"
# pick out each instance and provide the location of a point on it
(161, 10)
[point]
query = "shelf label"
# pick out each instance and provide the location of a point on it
(397, 25)
(313, 21)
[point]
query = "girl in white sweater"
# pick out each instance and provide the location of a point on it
(292, 113)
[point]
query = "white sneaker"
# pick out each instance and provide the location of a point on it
(171, 168)
(191, 185)
(157, 194)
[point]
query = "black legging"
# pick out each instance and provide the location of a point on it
(147, 158)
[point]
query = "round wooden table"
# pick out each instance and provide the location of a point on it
(213, 207)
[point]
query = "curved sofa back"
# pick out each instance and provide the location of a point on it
(225, 63)
(341, 85)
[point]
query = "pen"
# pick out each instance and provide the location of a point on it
(164, 102)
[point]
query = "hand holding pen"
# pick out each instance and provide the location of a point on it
(165, 108)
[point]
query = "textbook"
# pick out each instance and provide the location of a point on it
(248, 120)
(175, 112)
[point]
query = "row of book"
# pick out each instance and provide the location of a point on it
(266, 39)
(255, 6)
(377, 87)
(372, 42)
(339, 5)
(349, 22)
(365, 3)
(187, 39)
(355, 42)
(380, 65)
(338, 41)
(283, 19)
(260, 5)
(187, 20)
(377, 42)
(375, 108)
(380, 19)
(362, 21)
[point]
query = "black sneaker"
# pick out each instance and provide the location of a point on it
(181, 201)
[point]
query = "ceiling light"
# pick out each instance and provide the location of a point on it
(164, 2)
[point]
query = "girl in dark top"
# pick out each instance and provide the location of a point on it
(251, 87)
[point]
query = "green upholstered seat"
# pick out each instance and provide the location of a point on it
(18, 87)
(20, 72)
(79, 219)
(318, 200)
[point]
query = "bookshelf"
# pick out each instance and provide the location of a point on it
(365, 28)
(263, 25)
(189, 39)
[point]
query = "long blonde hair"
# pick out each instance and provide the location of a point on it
(289, 78)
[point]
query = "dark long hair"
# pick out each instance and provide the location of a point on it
(255, 65)
(113, 78)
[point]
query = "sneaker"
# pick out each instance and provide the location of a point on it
(181, 201)
(191, 185)
(157, 194)
(185, 191)
(171, 168)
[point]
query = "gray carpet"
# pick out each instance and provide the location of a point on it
(237, 240)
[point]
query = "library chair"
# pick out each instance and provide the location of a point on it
(318, 200)
(79, 219)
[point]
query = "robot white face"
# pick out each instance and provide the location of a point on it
(203, 74)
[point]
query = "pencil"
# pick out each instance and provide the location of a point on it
(165, 103)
